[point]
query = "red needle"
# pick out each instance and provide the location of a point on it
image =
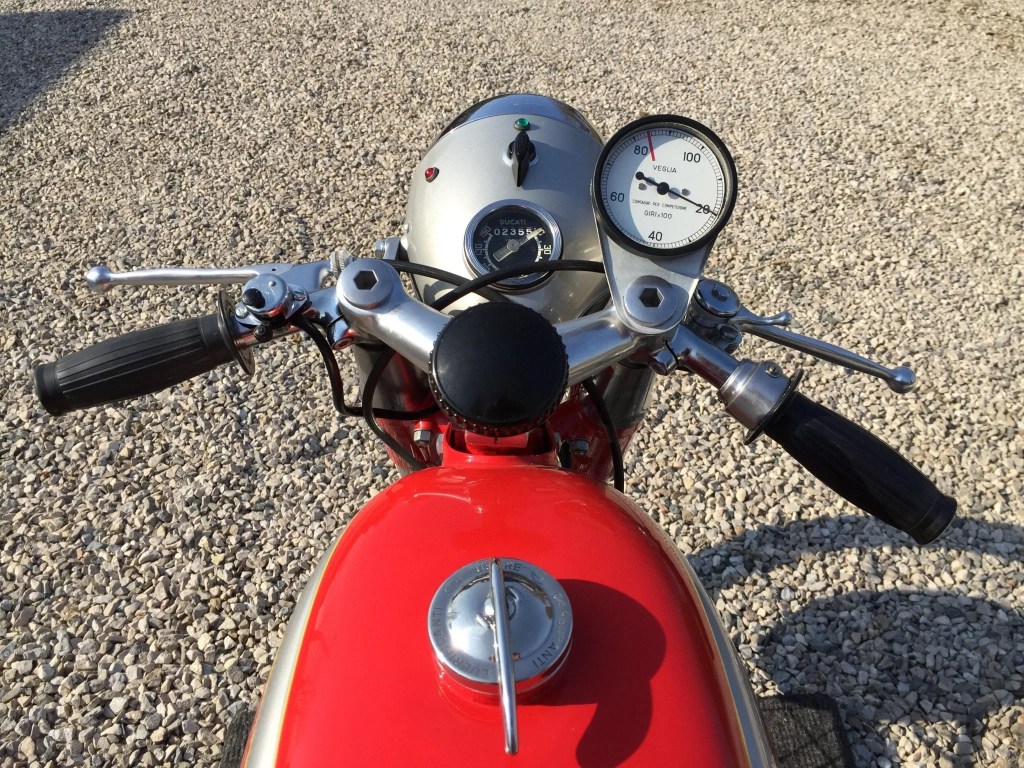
(650, 144)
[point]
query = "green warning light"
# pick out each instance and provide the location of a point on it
(522, 124)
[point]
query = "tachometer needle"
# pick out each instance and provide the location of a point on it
(664, 189)
(650, 143)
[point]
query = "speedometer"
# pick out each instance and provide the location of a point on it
(512, 233)
(664, 185)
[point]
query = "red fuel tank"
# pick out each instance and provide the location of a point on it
(650, 678)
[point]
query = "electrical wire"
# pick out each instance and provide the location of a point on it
(618, 465)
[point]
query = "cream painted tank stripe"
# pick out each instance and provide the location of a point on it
(266, 731)
(759, 754)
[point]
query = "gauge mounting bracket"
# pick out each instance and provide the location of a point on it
(651, 296)
(674, 175)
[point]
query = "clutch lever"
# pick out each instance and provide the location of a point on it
(101, 279)
(282, 285)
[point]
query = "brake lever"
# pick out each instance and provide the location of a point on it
(718, 307)
(900, 379)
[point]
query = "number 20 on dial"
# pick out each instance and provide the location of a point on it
(664, 185)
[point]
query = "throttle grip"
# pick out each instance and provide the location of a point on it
(861, 468)
(138, 363)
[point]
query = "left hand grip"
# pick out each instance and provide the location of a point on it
(135, 364)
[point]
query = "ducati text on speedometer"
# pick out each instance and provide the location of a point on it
(664, 186)
(512, 233)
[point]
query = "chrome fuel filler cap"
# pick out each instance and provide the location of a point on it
(504, 652)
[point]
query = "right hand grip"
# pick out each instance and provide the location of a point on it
(861, 468)
(136, 364)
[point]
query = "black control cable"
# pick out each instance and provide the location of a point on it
(338, 385)
(618, 465)
(474, 285)
(331, 362)
(446, 277)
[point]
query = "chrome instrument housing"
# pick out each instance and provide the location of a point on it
(473, 174)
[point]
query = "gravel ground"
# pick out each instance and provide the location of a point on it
(150, 555)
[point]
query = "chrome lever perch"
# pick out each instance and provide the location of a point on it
(745, 320)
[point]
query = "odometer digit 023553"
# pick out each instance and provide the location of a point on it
(512, 233)
(664, 185)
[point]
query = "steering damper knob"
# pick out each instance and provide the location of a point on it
(498, 369)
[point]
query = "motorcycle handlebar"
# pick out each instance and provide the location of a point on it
(847, 458)
(861, 468)
(138, 363)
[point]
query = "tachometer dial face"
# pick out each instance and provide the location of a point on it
(664, 186)
(512, 233)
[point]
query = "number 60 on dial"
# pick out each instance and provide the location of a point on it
(664, 185)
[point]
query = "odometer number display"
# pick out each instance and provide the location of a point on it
(512, 233)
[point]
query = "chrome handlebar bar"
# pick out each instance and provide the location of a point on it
(368, 298)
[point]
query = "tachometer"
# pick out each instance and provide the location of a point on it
(664, 185)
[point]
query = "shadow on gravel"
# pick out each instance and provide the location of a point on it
(37, 48)
(905, 651)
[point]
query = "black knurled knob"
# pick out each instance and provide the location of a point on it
(498, 369)
(253, 297)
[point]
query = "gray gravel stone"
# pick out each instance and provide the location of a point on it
(145, 552)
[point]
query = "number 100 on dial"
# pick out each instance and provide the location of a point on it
(664, 186)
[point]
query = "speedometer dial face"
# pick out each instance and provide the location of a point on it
(512, 233)
(664, 185)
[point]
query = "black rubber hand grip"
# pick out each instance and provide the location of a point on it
(135, 364)
(861, 468)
